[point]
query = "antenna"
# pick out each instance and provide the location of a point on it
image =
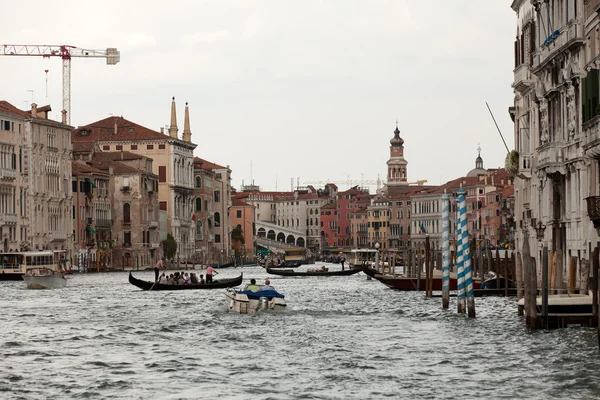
(46, 82)
(251, 180)
(31, 91)
(488, 107)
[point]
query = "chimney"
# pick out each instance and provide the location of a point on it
(33, 110)
(64, 116)
(162, 130)
(116, 129)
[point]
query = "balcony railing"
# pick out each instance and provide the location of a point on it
(8, 173)
(522, 78)
(103, 222)
(8, 219)
(154, 245)
(525, 165)
(559, 41)
(153, 224)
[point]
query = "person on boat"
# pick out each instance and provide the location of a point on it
(163, 279)
(342, 261)
(253, 287)
(267, 285)
(201, 280)
(160, 264)
(193, 278)
(188, 279)
(181, 279)
(210, 271)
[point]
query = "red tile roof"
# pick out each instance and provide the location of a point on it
(207, 164)
(9, 108)
(83, 169)
(104, 130)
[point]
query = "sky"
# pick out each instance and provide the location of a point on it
(278, 90)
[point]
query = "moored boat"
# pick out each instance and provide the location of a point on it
(249, 302)
(496, 286)
(216, 284)
(44, 278)
(402, 283)
(14, 265)
(315, 272)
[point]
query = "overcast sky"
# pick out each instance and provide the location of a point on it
(305, 89)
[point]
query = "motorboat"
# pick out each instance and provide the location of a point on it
(44, 278)
(250, 302)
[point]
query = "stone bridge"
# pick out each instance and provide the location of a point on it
(285, 235)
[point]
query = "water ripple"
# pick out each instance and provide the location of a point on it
(339, 338)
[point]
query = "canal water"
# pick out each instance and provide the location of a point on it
(339, 338)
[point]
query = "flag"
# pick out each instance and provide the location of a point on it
(194, 217)
(422, 229)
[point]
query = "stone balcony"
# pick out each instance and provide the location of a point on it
(567, 36)
(523, 79)
(153, 224)
(58, 236)
(154, 245)
(591, 137)
(8, 173)
(552, 155)
(8, 219)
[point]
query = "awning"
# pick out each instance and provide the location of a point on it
(88, 180)
(92, 230)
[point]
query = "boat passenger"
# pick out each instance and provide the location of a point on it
(193, 278)
(163, 279)
(201, 279)
(267, 285)
(253, 287)
(188, 279)
(181, 280)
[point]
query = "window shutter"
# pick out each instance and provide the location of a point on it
(162, 173)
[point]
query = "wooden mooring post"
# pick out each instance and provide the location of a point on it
(530, 284)
(427, 259)
(519, 279)
(545, 287)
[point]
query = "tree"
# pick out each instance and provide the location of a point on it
(169, 246)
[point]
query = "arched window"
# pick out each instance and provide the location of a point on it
(126, 212)
(198, 204)
(217, 219)
(198, 182)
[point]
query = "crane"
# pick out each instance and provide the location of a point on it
(66, 52)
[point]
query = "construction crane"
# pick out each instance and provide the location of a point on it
(111, 54)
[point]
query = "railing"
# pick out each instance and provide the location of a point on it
(272, 243)
(8, 173)
(522, 77)
(153, 224)
(103, 222)
(558, 41)
(59, 235)
(8, 219)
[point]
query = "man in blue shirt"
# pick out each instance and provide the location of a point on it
(267, 285)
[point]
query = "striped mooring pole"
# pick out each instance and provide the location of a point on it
(466, 252)
(445, 252)
(460, 261)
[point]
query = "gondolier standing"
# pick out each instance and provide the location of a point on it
(210, 271)
(160, 264)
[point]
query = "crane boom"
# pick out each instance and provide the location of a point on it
(66, 52)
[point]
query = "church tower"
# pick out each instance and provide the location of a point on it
(173, 127)
(187, 133)
(396, 175)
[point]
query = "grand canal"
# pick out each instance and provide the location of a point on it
(340, 338)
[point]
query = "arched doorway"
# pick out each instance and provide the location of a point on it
(271, 235)
(291, 240)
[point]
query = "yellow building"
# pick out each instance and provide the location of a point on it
(378, 216)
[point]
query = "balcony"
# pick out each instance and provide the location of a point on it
(154, 245)
(567, 36)
(591, 137)
(185, 222)
(523, 79)
(8, 173)
(8, 219)
(124, 188)
(58, 235)
(152, 224)
(103, 223)
(593, 209)
(552, 154)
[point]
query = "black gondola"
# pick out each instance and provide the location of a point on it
(287, 272)
(370, 271)
(227, 265)
(287, 264)
(216, 284)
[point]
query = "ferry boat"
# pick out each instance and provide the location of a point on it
(15, 264)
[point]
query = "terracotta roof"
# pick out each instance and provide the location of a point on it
(118, 156)
(83, 169)
(207, 164)
(83, 147)
(508, 191)
(329, 206)
(120, 168)
(9, 108)
(104, 130)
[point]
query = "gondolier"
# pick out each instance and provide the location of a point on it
(160, 264)
(210, 271)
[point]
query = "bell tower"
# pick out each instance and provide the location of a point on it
(396, 165)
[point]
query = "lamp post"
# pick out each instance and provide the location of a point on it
(539, 231)
(377, 256)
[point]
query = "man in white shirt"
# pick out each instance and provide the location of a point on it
(267, 285)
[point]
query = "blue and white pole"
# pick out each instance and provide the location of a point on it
(445, 252)
(461, 225)
(467, 261)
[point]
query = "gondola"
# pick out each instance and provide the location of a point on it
(288, 264)
(287, 272)
(227, 265)
(370, 271)
(216, 284)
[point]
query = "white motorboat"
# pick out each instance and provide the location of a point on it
(44, 278)
(249, 302)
